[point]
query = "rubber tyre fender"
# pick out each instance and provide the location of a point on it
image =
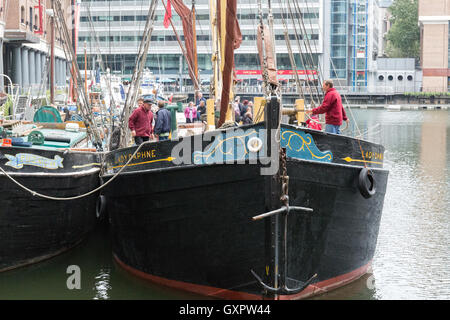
(366, 183)
(100, 207)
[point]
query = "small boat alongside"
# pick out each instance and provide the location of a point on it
(50, 159)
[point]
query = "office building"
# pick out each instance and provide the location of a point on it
(341, 39)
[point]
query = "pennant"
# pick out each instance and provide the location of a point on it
(168, 15)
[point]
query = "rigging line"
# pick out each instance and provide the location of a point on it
(277, 89)
(306, 43)
(98, 55)
(315, 43)
(308, 49)
(263, 63)
(302, 19)
(291, 55)
(183, 50)
(311, 94)
(347, 104)
(340, 85)
(208, 48)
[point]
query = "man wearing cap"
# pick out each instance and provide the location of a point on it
(140, 121)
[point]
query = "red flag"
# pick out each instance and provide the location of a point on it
(168, 15)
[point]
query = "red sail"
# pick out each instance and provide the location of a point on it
(186, 18)
(168, 15)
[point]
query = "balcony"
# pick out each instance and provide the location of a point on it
(20, 36)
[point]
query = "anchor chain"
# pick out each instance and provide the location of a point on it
(283, 289)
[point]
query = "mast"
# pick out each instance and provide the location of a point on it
(85, 67)
(121, 135)
(52, 57)
(89, 121)
(194, 48)
(215, 50)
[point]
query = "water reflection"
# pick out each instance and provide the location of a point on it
(413, 250)
(102, 284)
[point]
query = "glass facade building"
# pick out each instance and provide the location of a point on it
(119, 25)
(335, 34)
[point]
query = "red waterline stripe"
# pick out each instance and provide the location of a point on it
(311, 290)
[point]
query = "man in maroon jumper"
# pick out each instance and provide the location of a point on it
(140, 122)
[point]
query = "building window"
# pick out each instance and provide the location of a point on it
(31, 18)
(22, 14)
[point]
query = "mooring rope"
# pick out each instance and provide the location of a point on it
(35, 193)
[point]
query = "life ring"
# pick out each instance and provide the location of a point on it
(100, 206)
(254, 144)
(366, 183)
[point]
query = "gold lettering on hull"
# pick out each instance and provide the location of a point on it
(143, 155)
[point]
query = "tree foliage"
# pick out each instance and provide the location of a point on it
(404, 35)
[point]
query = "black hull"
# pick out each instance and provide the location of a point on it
(191, 227)
(33, 228)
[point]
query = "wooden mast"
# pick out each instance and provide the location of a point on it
(85, 68)
(52, 56)
(194, 32)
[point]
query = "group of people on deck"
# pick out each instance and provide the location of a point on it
(194, 112)
(145, 125)
(242, 111)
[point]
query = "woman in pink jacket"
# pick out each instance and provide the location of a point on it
(190, 113)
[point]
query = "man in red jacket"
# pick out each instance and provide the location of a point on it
(140, 122)
(332, 107)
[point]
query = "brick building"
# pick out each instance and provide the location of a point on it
(434, 19)
(25, 36)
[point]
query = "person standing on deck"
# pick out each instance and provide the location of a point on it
(163, 122)
(201, 110)
(190, 113)
(199, 99)
(140, 122)
(332, 107)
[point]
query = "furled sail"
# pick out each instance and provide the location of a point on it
(188, 30)
(231, 35)
(265, 49)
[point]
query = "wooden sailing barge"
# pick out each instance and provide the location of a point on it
(42, 174)
(206, 213)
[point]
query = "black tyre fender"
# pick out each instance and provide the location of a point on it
(100, 207)
(366, 183)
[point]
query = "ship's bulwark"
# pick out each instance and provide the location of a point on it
(191, 227)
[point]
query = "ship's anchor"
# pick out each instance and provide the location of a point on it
(285, 210)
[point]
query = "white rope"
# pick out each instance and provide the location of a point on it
(35, 193)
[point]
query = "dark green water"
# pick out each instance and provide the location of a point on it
(413, 251)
